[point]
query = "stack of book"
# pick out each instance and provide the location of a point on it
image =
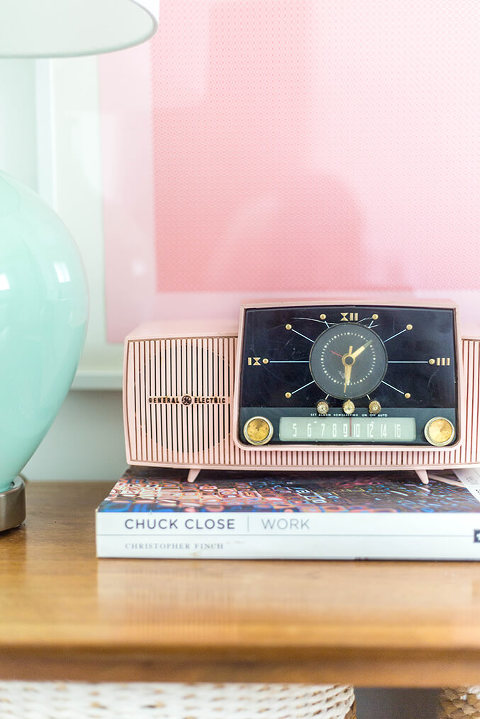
(291, 515)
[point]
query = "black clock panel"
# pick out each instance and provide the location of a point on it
(349, 361)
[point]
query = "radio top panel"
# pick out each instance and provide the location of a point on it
(347, 375)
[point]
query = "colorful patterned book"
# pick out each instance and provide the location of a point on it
(291, 515)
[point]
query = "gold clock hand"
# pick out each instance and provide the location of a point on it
(348, 368)
(360, 350)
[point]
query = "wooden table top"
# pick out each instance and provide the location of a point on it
(66, 615)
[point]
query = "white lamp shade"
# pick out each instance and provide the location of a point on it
(62, 28)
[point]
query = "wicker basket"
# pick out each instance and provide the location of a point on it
(459, 703)
(79, 700)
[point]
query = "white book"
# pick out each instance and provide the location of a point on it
(291, 515)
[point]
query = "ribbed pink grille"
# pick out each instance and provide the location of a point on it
(170, 432)
(198, 435)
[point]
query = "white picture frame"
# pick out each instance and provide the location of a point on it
(70, 180)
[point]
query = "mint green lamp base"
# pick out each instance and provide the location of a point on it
(12, 505)
(43, 318)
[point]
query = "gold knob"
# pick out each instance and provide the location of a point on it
(258, 430)
(348, 407)
(439, 431)
(322, 407)
(374, 407)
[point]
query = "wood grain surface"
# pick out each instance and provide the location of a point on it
(66, 615)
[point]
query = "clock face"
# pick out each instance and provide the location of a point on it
(348, 362)
(323, 374)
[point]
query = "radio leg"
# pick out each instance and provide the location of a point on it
(192, 475)
(422, 475)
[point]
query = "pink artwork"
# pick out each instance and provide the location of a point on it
(291, 148)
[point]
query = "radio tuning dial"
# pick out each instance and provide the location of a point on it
(439, 431)
(258, 430)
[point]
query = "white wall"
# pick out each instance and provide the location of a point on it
(70, 179)
(85, 441)
(18, 146)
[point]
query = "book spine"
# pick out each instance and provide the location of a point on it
(266, 536)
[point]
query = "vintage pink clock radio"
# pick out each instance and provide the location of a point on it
(305, 385)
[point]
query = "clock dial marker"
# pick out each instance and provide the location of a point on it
(301, 335)
(300, 388)
(400, 391)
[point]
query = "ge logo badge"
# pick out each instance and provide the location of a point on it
(187, 400)
(476, 535)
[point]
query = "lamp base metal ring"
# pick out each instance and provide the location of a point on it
(12, 505)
